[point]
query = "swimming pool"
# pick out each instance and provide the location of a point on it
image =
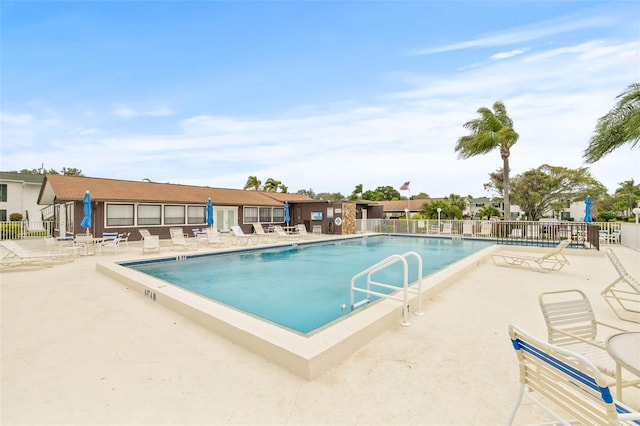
(305, 355)
(303, 287)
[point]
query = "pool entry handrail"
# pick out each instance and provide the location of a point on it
(383, 264)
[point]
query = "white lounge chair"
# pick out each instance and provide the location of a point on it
(261, 234)
(446, 228)
(571, 323)
(110, 241)
(144, 232)
(565, 384)
(282, 234)
(486, 229)
(302, 231)
(180, 241)
(63, 250)
(623, 294)
(241, 238)
(151, 243)
(213, 238)
(18, 255)
(553, 260)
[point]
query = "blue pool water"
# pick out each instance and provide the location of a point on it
(304, 287)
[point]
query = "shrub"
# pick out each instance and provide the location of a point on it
(15, 217)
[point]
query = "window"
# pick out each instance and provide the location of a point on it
(250, 215)
(174, 215)
(149, 214)
(119, 214)
(196, 214)
(3, 193)
(278, 214)
(3, 215)
(265, 214)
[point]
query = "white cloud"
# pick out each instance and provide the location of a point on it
(506, 55)
(124, 111)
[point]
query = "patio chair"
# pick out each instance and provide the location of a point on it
(110, 241)
(85, 244)
(568, 386)
(486, 229)
(302, 231)
(571, 323)
(553, 260)
(446, 228)
(213, 238)
(261, 234)
(241, 238)
(18, 255)
(623, 294)
(151, 243)
(60, 249)
(144, 233)
(179, 240)
(282, 234)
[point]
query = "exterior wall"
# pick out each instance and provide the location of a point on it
(22, 197)
(348, 218)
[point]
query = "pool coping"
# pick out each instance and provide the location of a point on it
(305, 356)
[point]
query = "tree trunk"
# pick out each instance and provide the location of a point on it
(505, 178)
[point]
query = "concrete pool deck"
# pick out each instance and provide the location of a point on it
(79, 347)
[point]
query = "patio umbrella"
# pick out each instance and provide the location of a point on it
(210, 213)
(86, 220)
(587, 209)
(287, 218)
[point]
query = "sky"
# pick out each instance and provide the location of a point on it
(320, 95)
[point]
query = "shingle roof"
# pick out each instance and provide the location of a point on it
(21, 177)
(400, 205)
(73, 188)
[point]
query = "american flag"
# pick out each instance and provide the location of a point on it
(405, 186)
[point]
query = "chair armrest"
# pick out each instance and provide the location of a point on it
(581, 339)
(622, 330)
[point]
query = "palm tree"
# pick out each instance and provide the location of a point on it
(253, 182)
(619, 126)
(493, 129)
(272, 185)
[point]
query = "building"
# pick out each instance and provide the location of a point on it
(126, 206)
(19, 194)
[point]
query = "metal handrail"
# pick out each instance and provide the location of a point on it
(383, 264)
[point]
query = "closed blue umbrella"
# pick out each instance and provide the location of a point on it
(86, 220)
(287, 218)
(587, 209)
(210, 213)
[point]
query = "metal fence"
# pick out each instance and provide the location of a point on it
(585, 235)
(18, 230)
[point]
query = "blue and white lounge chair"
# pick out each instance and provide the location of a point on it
(564, 384)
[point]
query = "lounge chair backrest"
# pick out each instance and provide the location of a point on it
(620, 269)
(109, 235)
(567, 310)
(258, 229)
(566, 379)
(301, 229)
(144, 232)
(280, 231)
(237, 231)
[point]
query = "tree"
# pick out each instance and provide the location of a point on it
(492, 130)
(537, 191)
(447, 210)
(488, 211)
(619, 126)
(420, 196)
(357, 192)
(308, 192)
(71, 171)
(253, 182)
(382, 193)
(271, 185)
(329, 196)
(457, 201)
(626, 197)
